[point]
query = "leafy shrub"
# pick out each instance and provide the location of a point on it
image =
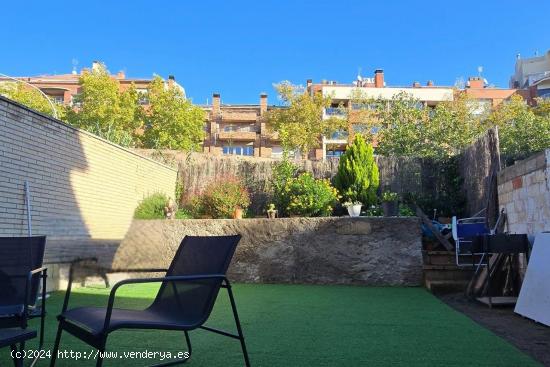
(308, 197)
(222, 196)
(183, 214)
(374, 211)
(406, 211)
(283, 172)
(389, 196)
(152, 207)
(357, 177)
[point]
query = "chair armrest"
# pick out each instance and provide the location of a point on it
(178, 278)
(124, 270)
(28, 287)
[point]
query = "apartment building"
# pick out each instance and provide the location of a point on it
(428, 95)
(533, 73)
(240, 129)
(63, 88)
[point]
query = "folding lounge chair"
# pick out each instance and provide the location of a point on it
(21, 272)
(184, 301)
(464, 232)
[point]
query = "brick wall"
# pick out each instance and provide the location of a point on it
(84, 189)
(524, 191)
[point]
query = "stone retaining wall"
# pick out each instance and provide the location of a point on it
(335, 250)
(524, 192)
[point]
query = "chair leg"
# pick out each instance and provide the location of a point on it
(56, 345)
(100, 353)
(17, 360)
(188, 340)
(238, 323)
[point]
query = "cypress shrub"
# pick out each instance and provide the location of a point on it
(357, 178)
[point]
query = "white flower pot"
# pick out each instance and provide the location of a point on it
(354, 210)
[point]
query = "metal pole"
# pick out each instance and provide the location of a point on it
(28, 204)
(54, 111)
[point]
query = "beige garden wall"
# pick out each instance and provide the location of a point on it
(524, 192)
(83, 189)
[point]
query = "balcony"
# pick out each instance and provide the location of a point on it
(334, 112)
(239, 115)
(337, 137)
(237, 135)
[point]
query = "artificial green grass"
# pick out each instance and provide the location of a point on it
(299, 325)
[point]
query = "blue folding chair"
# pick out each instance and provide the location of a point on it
(465, 231)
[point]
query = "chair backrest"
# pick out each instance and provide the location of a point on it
(18, 256)
(192, 302)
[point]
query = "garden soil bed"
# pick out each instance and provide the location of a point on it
(528, 336)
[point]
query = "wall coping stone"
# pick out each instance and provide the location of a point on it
(536, 162)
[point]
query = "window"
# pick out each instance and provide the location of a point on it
(143, 98)
(335, 153)
(238, 150)
(239, 128)
(56, 98)
(340, 135)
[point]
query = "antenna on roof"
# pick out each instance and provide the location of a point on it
(75, 63)
(480, 70)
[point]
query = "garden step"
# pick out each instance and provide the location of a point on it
(447, 273)
(446, 286)
(442, 258)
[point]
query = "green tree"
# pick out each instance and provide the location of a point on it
(30, 97)
(301, 125)
(402, 121)
(452, 126)
(105, 110)
(173, 122)
(358, 177)
(523, 130)
(409, 128)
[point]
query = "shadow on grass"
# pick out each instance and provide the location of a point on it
(298, 325)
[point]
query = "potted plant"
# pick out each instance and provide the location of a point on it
(353, 207)
(271, 211)
(390, 205)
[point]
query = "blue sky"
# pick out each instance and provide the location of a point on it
(240, 48)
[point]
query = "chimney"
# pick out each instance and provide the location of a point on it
(416, 85)
(120, 75)
(475, 82)
(263, 103)
(379, 78)
(172, 80)
(309, 82)
(216, 108)
(430, 83)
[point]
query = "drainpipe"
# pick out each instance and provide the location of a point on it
(28, 204)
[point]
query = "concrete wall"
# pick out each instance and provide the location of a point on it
(335, 250)
(524, 191)
(84, 189)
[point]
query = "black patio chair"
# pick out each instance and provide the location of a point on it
(184, 301)
(12, 337)
(21, 271)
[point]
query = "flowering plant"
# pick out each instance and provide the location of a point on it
(223, 196)
(308, 197)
